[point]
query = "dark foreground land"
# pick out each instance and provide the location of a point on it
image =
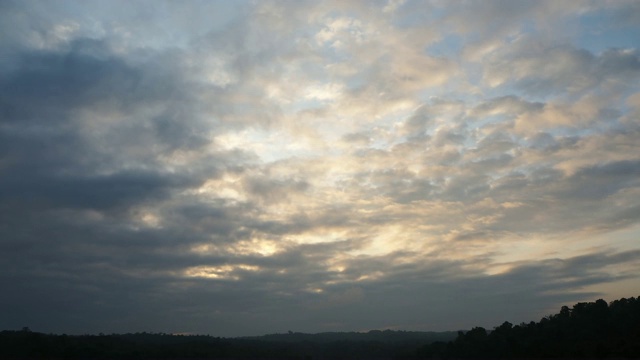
(587, 330)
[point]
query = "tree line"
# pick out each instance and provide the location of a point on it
(586, 330)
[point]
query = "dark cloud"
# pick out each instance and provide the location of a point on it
(509, 105)
(358, 138)
(416, 125)
(49, 84)
(561, 68)
(274, 190)
(543, 141)
(618, 63)
(51, 159)
(100, 192)
(627, 14)
(602, 180)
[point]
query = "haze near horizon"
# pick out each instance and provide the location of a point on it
(249, 167)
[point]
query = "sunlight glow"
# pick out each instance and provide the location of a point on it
(224, 272)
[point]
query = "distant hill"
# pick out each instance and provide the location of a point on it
(385, 336)
(587, 330)
(372, 344)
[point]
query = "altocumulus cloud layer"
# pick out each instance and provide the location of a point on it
(239, 168)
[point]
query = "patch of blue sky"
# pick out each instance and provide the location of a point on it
(528, 26)
(601, 31)
(331, 54)
(449, 46)
(567, 132)
(152, 24)
(415, 14)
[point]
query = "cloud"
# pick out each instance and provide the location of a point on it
(254, 168)
(538, 68)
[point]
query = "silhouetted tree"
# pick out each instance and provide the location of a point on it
(588, 329)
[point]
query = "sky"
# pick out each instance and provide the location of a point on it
(241, 168)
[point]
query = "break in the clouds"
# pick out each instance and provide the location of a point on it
(239, 168)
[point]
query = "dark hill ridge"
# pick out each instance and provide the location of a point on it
(587, 330)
